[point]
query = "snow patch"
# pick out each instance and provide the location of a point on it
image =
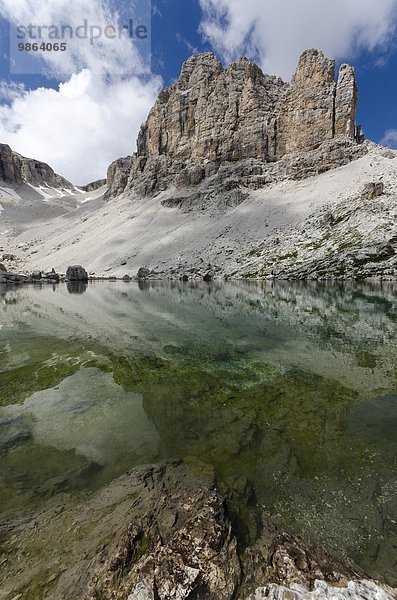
(45, 197)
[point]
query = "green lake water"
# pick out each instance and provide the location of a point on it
(288, 391)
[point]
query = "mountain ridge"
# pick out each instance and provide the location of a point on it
(214, 117)
(185, 207)
(16, 169)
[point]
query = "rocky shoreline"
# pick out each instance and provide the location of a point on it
(195, 275)
(163, 532)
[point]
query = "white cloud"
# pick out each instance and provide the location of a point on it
(94, 115)
(390, 139)
(10, 90)
(115, 55)
(275, 33)
(80, 128)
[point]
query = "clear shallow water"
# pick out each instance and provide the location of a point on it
(289, 391)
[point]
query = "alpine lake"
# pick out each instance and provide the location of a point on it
(288, 391)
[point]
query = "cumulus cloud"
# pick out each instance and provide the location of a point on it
(80, 128)
(275, 33)
(94, 115)
(111, 53)
(10, 90)
(390, 139)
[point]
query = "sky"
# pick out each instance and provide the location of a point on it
(81, 109)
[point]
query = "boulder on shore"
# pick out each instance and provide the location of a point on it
(14, 278)
(52, 276)
(143, 273)
(76, 273)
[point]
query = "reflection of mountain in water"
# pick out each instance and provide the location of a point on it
(271, 384)
(344, 331)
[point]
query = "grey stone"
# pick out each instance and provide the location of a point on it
(117, 176)
(163, 531)
(355, 590)
(143, 273)
(51, 276)
(76, 273)
(373, 190)
(14, 278)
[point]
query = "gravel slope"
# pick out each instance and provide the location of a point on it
(317, 228)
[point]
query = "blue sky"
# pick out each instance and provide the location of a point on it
(52, 123)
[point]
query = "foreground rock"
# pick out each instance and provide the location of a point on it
(160, 532)
(355, 590)
(235, 127)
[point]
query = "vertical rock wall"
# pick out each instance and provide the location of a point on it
(316, 108)
(238, 113)
(213, 117)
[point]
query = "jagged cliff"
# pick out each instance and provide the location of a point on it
(16, 170)
(237, 127)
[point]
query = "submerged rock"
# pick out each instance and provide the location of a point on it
(12, 433)
(163, 532)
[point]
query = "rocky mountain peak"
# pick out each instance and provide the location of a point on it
(212, 113)
(316, 108)
(315, 68)
(213, 116)
(204, 65)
